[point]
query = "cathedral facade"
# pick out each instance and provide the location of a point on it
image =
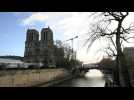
(39, 50)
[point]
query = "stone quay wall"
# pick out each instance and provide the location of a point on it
(28, 78)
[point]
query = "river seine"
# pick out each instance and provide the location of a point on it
(93, 78)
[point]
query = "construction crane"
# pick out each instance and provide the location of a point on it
(71, 39)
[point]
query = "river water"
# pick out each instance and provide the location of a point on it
(93, 78)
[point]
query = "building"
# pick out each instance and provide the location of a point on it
(129, 52)
(39, 50)
(8, 63)
(6, 60)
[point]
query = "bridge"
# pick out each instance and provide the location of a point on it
(87, 67)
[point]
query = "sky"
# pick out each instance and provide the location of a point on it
(65, 25)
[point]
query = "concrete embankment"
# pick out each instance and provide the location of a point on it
(55, 81)
(59, 79)
(29, 78)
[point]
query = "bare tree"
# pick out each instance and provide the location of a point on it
(103, 29)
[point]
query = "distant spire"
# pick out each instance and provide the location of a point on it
(49, 28)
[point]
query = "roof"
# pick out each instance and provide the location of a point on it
(128, 48)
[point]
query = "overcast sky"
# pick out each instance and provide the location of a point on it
(65, 25)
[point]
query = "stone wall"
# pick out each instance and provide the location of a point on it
(27, 78)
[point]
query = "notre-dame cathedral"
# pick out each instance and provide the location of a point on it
(39, 50)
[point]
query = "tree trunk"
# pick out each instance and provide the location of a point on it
(122, 66)
(116, 73)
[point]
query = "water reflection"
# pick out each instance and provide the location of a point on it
(93, 78)
(94, 73)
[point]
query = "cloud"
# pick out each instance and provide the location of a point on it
(70, 24)
(35, 17)
(43, 17)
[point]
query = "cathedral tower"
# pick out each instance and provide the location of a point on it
(39, 51)
(46, 47)
(31, 46)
